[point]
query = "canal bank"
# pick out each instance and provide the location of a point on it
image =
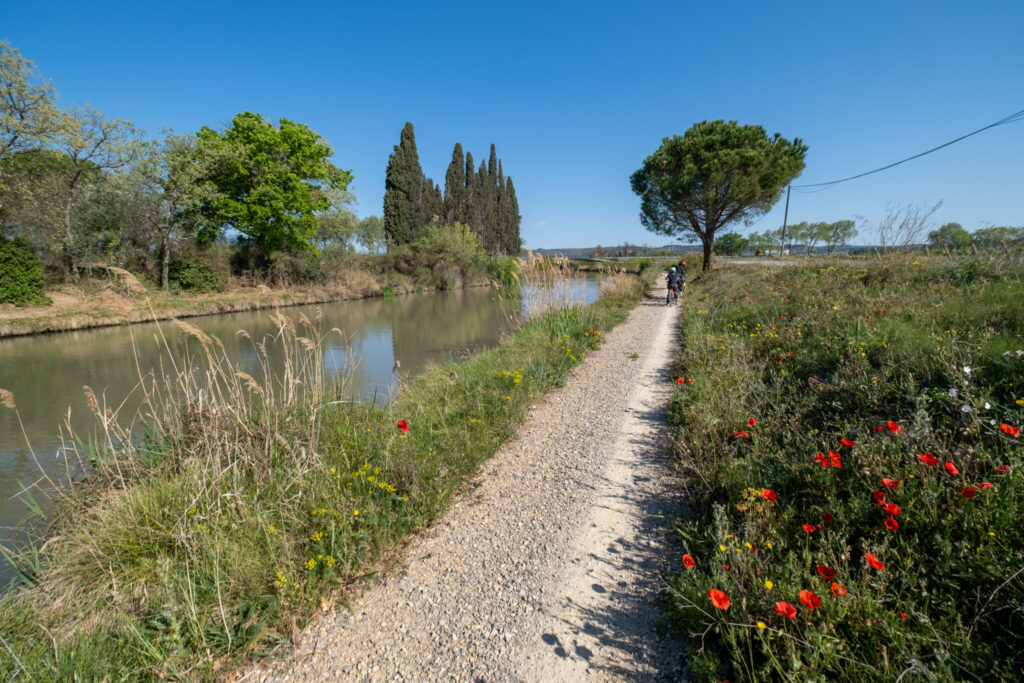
(222, 536)
(112, 304)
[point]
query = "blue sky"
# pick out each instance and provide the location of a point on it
(575, 95)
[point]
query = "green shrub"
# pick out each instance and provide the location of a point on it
(297, 267)
(190, 274)
(21, 275)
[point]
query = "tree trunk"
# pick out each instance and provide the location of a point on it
(165, 262)
(709, 245)
(69, 257)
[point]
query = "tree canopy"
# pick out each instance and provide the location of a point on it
(273, 182)
(950, 235)
(715, 174)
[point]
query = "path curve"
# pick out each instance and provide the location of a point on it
(548, 566)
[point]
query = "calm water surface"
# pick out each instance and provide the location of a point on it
(47, 373)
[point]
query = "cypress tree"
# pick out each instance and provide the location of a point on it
(455, 186)
(469, 206)
(481, 213)
(514, 243)
(501, 212)
(432, 206)
(403, 191)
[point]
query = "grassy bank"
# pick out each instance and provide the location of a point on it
(117, 300)
(259, 501)
(849, 443)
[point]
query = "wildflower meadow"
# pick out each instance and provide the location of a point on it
(849, 435)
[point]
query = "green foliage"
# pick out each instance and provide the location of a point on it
(901, 359)
(731, 244)
(717, 173)
(403, 191)
(998, 236)
(190, 274)
(27, 110)
(21, 275)
(272, 182)
(294, 268)
(950, 235)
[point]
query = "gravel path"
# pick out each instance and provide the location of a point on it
(547, 567)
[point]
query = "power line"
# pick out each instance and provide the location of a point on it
(818, 187)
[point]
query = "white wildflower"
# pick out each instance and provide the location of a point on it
(965, 408)
(967, 370)
(952, 393)
(987, 405)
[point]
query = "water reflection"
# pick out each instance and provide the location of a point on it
(47, 373)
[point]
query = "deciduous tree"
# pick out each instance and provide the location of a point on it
(91, 144)
(715, 174)
(731, 244)
(836, 234)
(276, 180)
(950, 235)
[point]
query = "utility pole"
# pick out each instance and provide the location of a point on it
(785, 217)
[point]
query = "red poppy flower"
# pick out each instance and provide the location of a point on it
(768, 494)
(822, 460)
(403, 426)
(968, 492)
(809, 528)
(879, 497)
(785, 609)
(751, 422)
(741, 434)
(827, 518)
(846, 442)
(892, 509)
(725, 567)
(890, 483)
(826, 573)
(778, 359)
(718, 598)
(688, 561)
(835, 458)
(680, 380)
(874, 561)
(1012, 431)
(892, 524)
(893, 427)
(951, 468)
(812, 601)
(1002, 469)
(838, 590)
(984, 486)
(928, 459)
(878, 428)
(903, 615)
(689, 381)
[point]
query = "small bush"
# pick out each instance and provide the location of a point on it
(291, 268)
(21, 275)
(190, 274)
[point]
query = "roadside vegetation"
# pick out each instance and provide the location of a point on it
(849, 435)
(256, 501)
